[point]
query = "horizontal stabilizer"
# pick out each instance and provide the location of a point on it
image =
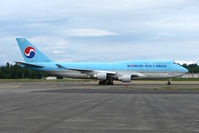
(29, 65)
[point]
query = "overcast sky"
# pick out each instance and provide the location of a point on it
(101, 30)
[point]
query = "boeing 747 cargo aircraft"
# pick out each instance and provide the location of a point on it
(105, 72)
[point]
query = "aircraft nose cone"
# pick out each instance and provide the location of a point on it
(182, 69)
(185, 70)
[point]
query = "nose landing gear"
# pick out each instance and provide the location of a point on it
(169, 82)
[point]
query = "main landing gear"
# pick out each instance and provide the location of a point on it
(105, 82)
(169, 82)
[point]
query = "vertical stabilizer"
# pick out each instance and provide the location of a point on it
(30, 53)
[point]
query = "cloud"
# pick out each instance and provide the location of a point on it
(181, 62)
(93, 30)
(90, 32)
(57, 52)
(50, 42)
(43, 9)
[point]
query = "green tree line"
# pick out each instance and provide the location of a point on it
(10, 71)
(193, 68)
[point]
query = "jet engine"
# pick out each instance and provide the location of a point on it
(126, 78)
(101, 76)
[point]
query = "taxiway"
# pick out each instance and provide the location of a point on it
(83, 107)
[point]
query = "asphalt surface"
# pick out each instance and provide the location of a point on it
(151, 107)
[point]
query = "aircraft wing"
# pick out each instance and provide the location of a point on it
(111, 73)
(86, 70)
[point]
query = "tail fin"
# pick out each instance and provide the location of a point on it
(30, 53)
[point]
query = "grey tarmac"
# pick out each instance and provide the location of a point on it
(85, 107)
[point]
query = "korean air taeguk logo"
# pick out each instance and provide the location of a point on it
(29, 52)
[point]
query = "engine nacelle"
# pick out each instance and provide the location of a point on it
(126, 78)
(101, 76)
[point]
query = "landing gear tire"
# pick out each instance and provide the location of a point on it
(105, 82)
(109, 83)
(101, 82)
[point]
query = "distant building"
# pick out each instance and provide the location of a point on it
(191, 75)
(51, 78)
